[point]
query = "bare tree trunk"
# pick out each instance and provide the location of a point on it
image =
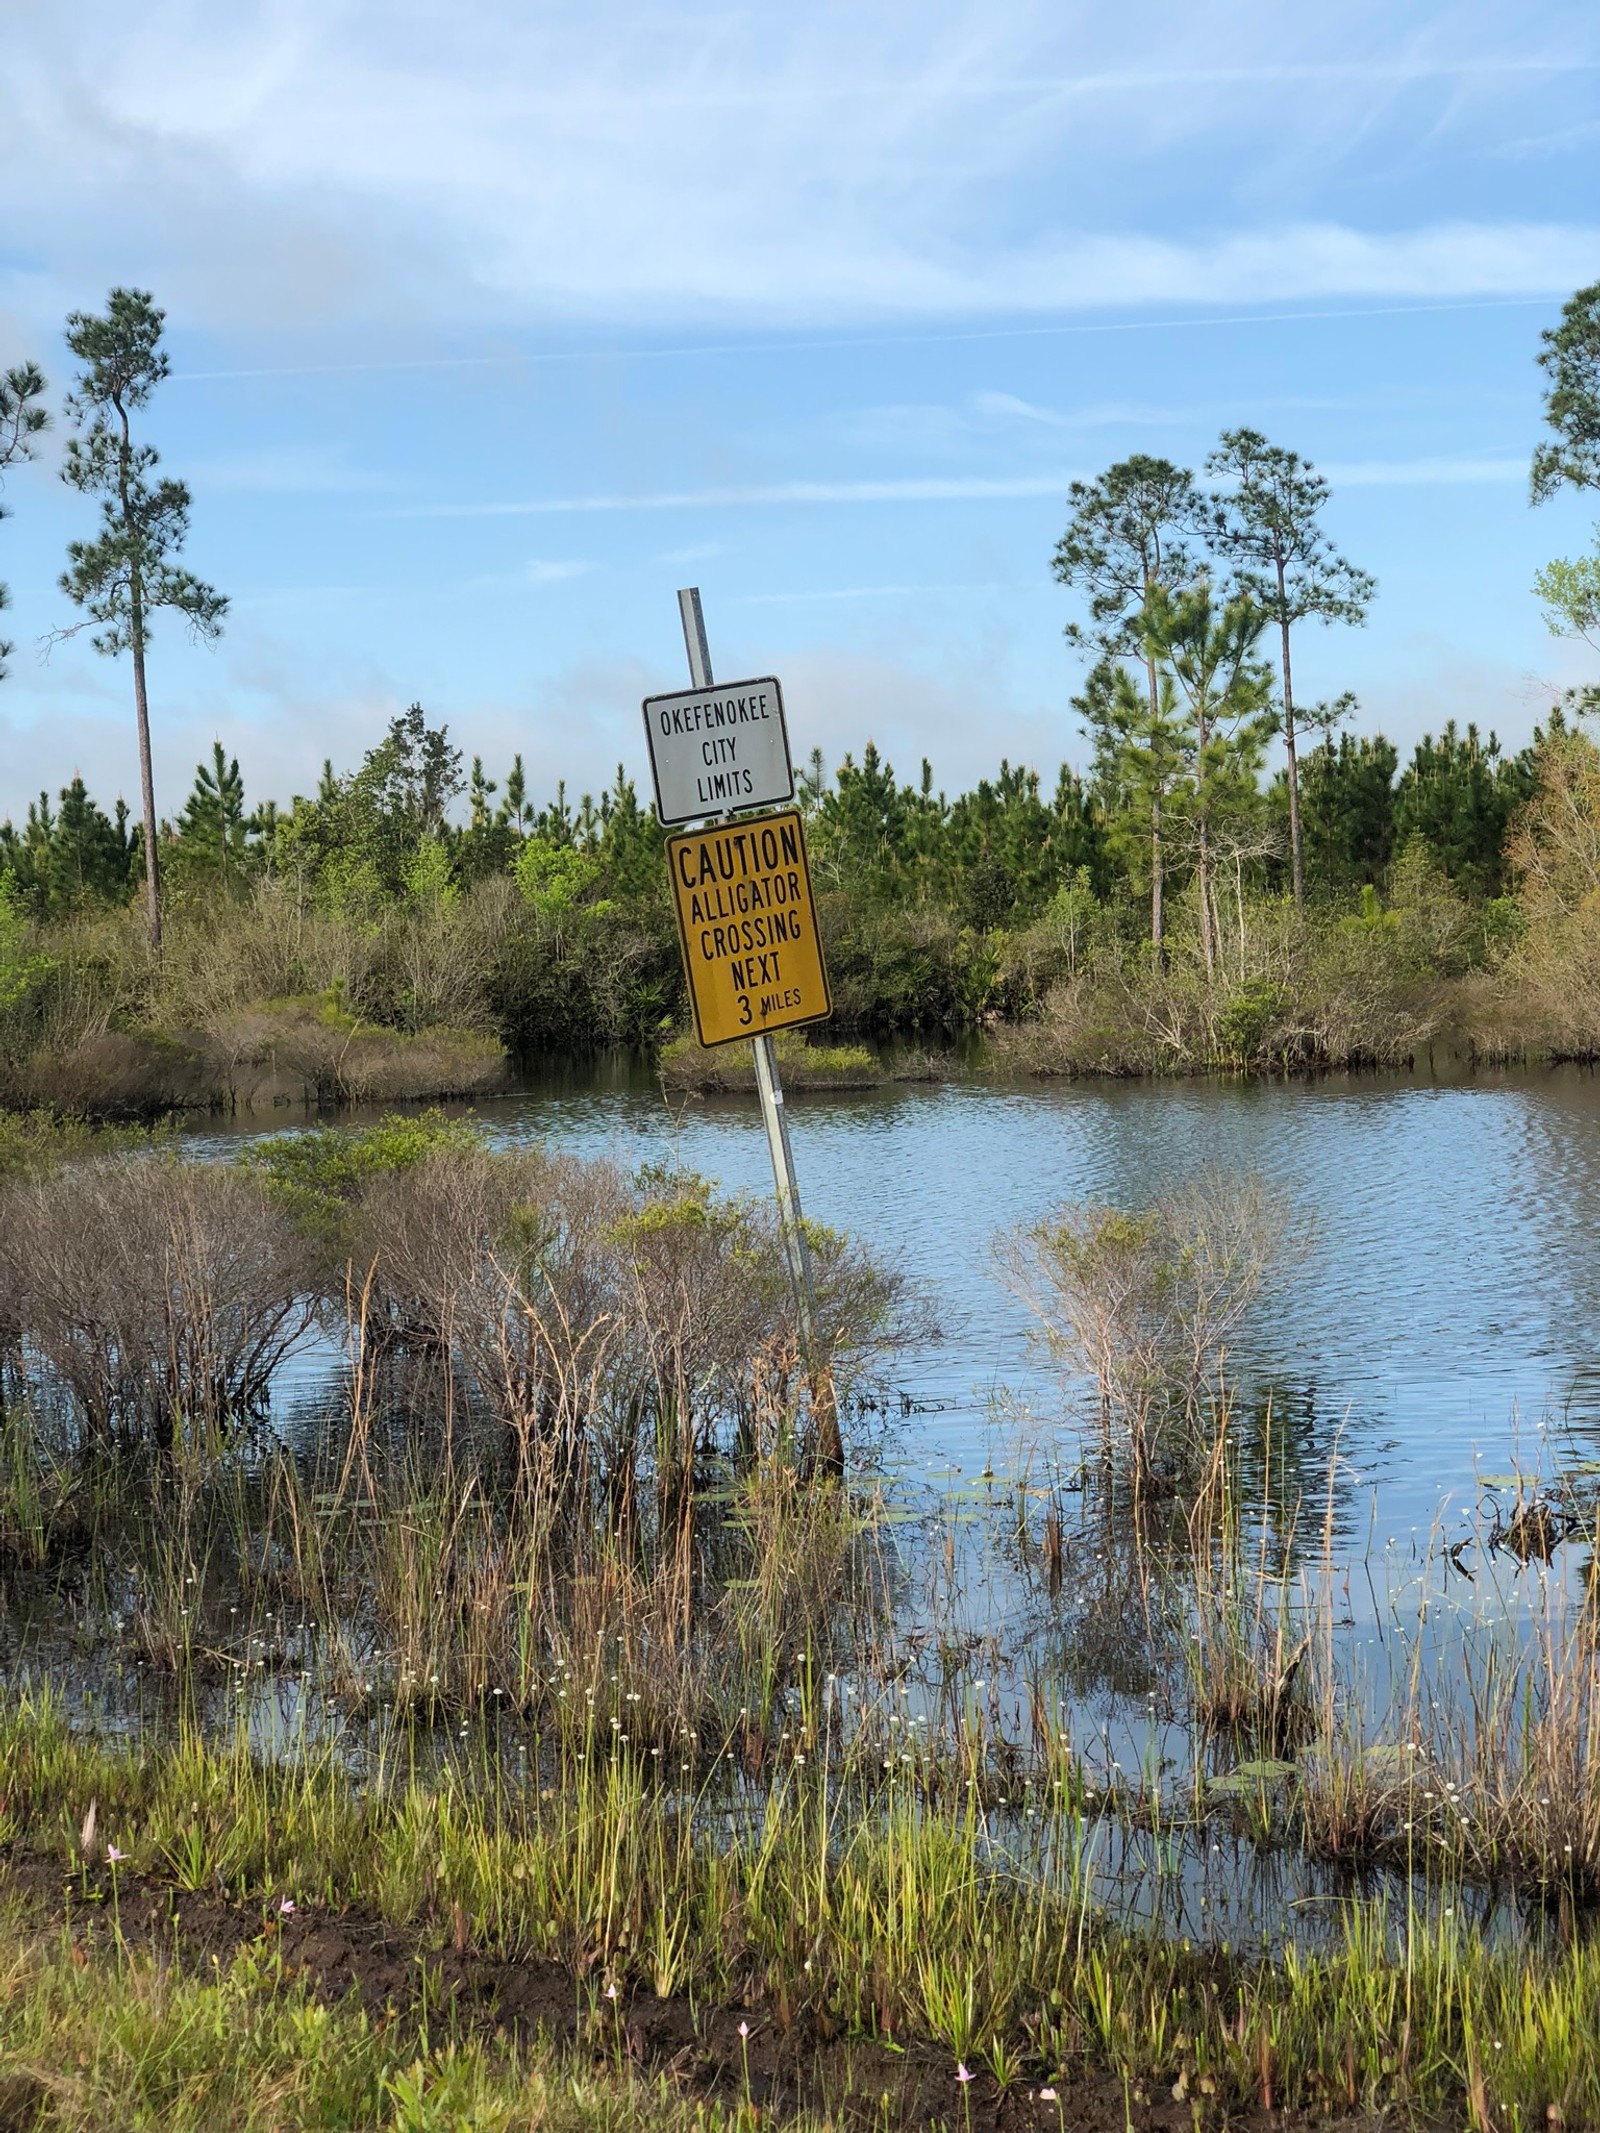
(1208, 942)
(1158, 916)
(141, 700)
(1296, 855)
(1238, 900)
(147, 780)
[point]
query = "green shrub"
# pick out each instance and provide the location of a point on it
(906, 972)
(317, 1175)
(685, 1064)
(1248, 1019)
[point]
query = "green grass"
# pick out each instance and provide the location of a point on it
(132, 2041)
(828, 1909)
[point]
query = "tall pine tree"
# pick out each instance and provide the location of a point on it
(1127, 536)
(129, 571)
(1267, 525)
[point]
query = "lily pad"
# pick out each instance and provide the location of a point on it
(1246, 1777)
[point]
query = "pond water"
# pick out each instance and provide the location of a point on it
(1441, 1321)
(1437, 1331)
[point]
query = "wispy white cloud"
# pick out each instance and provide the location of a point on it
(931, 428)
(928, 489)
(617, 160)
(1007, 407)
(543, 572)
(434, 222)
(1439, 472)
(954, 488)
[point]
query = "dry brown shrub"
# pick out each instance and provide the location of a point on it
(109, 1073)
(1364, 1004)
(421, 1239)
(1554, 847)
(1554, 975)
(578, 1304)
(1144, 1304)
(303, 1051)
(603, 1483)
(260, 998)
(1325, 994)
(158, 1296)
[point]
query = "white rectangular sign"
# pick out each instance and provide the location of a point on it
(713, 750)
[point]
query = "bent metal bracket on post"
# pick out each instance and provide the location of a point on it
(824, 1415)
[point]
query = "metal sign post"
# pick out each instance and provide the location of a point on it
(824, 1411)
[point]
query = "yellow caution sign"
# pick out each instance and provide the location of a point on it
(748, 927)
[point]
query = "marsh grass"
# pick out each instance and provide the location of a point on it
(686, 1066)
(1251, 1652)
(1482, 1759)
(1469, 1757)
(819, 1910)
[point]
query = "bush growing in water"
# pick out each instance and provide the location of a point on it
(622, 1322)
(158, 1296)
(1144, 1304)
(574, 1423)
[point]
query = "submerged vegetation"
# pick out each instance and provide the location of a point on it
(1144, 1304)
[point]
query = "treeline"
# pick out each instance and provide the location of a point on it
(416, 893)
(997, 855)
(992, 858)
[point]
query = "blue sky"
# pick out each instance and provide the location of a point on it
(493, 324)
